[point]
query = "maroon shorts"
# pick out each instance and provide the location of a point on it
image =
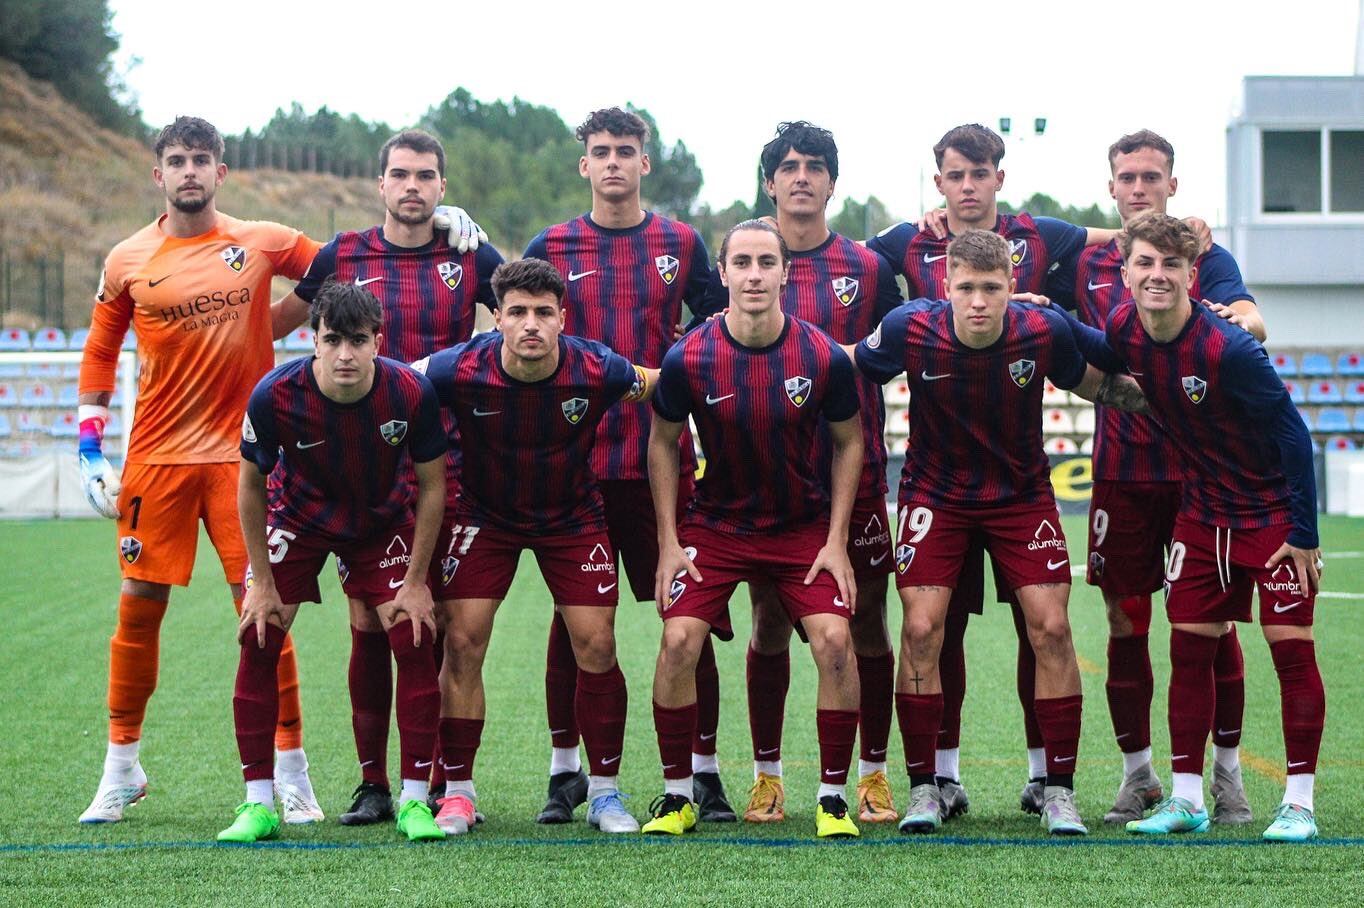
(1213, 570)
(724, 560)
(633, 531)
(371, 569)
(481, 563)
(1130, 524)
(1026, 543)
(869, 537)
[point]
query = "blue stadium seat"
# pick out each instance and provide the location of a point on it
(49, 339)
(37, 394)
(1325, 392)
(114, 428)
(1340, 443)
(1317, 364)
(14, 339)
(65, 425)
(68, 396)
(300, 340)
(45, 371)
(1359, 420)
(11, 370)
(1350, 362)
(6, 430)
(1333, 419)
(26, 423)
(77, 339)
(1354, 392)
(1284, 363)
(1306, 418)
(1296, 392)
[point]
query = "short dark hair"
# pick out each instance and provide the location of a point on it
(1169, 235)
(191, 132)
(347, 307)
(978, 143)
(615, 121)
(417, 140)
(754, 224)
(805, 138)
(980, 250)
(1142, 138)
(532, 276)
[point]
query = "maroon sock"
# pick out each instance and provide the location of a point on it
(920, 716)
(1130, 688)
(371, 699)
(675, 727)
(876, 675)
(836, 728)
(707, 700)
(1229, 680)
(952, 672)
(1191, 699)
(459, 740)
(561, 683)
(602, 700)
(255, 703)
(418, 700)
(1027, 681)
(1059, 719)
(437, 764)
(1302, 699)
(768, 679)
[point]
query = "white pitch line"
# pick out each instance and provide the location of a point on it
(1343, 555)
(1324, 595)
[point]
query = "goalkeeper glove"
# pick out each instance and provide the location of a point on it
(98, 477)
(463, 234)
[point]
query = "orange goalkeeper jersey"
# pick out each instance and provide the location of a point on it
(201, 309)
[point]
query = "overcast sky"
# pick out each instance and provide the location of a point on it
(720, 75)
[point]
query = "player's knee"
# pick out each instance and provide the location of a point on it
(919, 629)
(464, 646)
(595, 651)
(680, 649)
(1050, 636)
(830, 643)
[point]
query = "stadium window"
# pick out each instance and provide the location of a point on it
(1347, 170)
(1291, 171)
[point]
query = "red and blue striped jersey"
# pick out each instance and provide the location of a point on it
(626, 289)
(976, 419)
(844, 289)
(757, 412)
(528, 445)
(341, 472)
(1035, 245)
(1131, 447)
(1246, 453)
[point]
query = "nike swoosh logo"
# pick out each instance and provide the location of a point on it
(157, 281)
(878, 559)
(421, 765)
(770, 750)
(665, 768)
(368, 280)
(478, 412)
(605, 589)
(1053, 565)
(610, 761)
(1222, 731)
(1180, 757)
(557, 731)
(930, 259)
(1094, 286)
(831, 772)
(1064, 759)
(1125, 734)
(926, 377)
(312, 444)
(716, 400)
(393, 585)
(1280, 608)
(877, 753)
(1291, 764)
(920, 763)
(456, 766)
(839, 602)
(706, 737)
(577, 276)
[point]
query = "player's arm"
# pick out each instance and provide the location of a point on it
(413, 600)
(109, 322)
(843, 479)
(642, 388)
(287, 313)
(879, 355)
(261, 599)
(1219, 280)
(1245, 315)
(1084, 352)
(291, 310)
(664, 466)
(1109, 389)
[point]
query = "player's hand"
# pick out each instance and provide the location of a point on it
(1226, 312)
(1307, 566)
(260, 601)
(1036, 299)
(464, 234)
(673, 562)
(678, 332)
(414, 603)
(1202, 231)
(834, 559)
(934, 222)
(101, 483)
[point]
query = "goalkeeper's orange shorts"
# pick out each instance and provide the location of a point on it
(160, 507)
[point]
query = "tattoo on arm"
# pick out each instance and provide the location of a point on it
(1121, 392)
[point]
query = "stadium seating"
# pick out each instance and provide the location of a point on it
(897, 392)
(11, 370)
(1296, 392)
(26, 423)
(49, 339)
(1060, 445)
(1084, 421)
(1354, 392)
(1315, 365)
(37, 394)
(1324, 392)
(14, 339)
(1053, 396)
(114, 428)
(68, 395)
(1056, 421)
(1333, 419)
(129, 341)
(1284, 363)
(45, 371)
(299, 341)
(897, 423)
(1350, 362)
(65, 425)
(1359, 420)
(1306, 418)
(77, 339)
(1087, 446)
(8, 396)
(1340, 443)
(6, 430)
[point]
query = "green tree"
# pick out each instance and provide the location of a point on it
(860, 220)
(1040, 204)
(674, 180)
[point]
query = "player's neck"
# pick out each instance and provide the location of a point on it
(183, 224)
(341, 394)
(975, 340)
(408, 236)
(958, 226)
(1164, 325)
(617, 215)
(803, 233)
(530, 370)
(755, 329)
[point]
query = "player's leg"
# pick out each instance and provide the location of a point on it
(1230, 804)
(1025, 682)
(869, 551)
(370, 681)
(768, 676)
(968, 598)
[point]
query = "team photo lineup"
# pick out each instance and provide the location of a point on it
(646, 417)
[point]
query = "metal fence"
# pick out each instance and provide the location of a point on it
(255, 154)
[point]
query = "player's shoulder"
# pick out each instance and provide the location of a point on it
(264, 236)
(1020, 221)
(131, 253)
(1121, 317)
(287, 371)
(587, 348)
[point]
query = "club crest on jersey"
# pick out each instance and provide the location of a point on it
(450, 272)
(394, 431)
(1195, 387)
(675, 591)
(575, 408)
(248, 430)
(342, 572)
(235, 257)
(798, 389)
(667, 267)
(845, 288)
(904, 557)
(129, 547)
(1018, 251)
(874, 339)
(1021, 371)
(448, 566)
